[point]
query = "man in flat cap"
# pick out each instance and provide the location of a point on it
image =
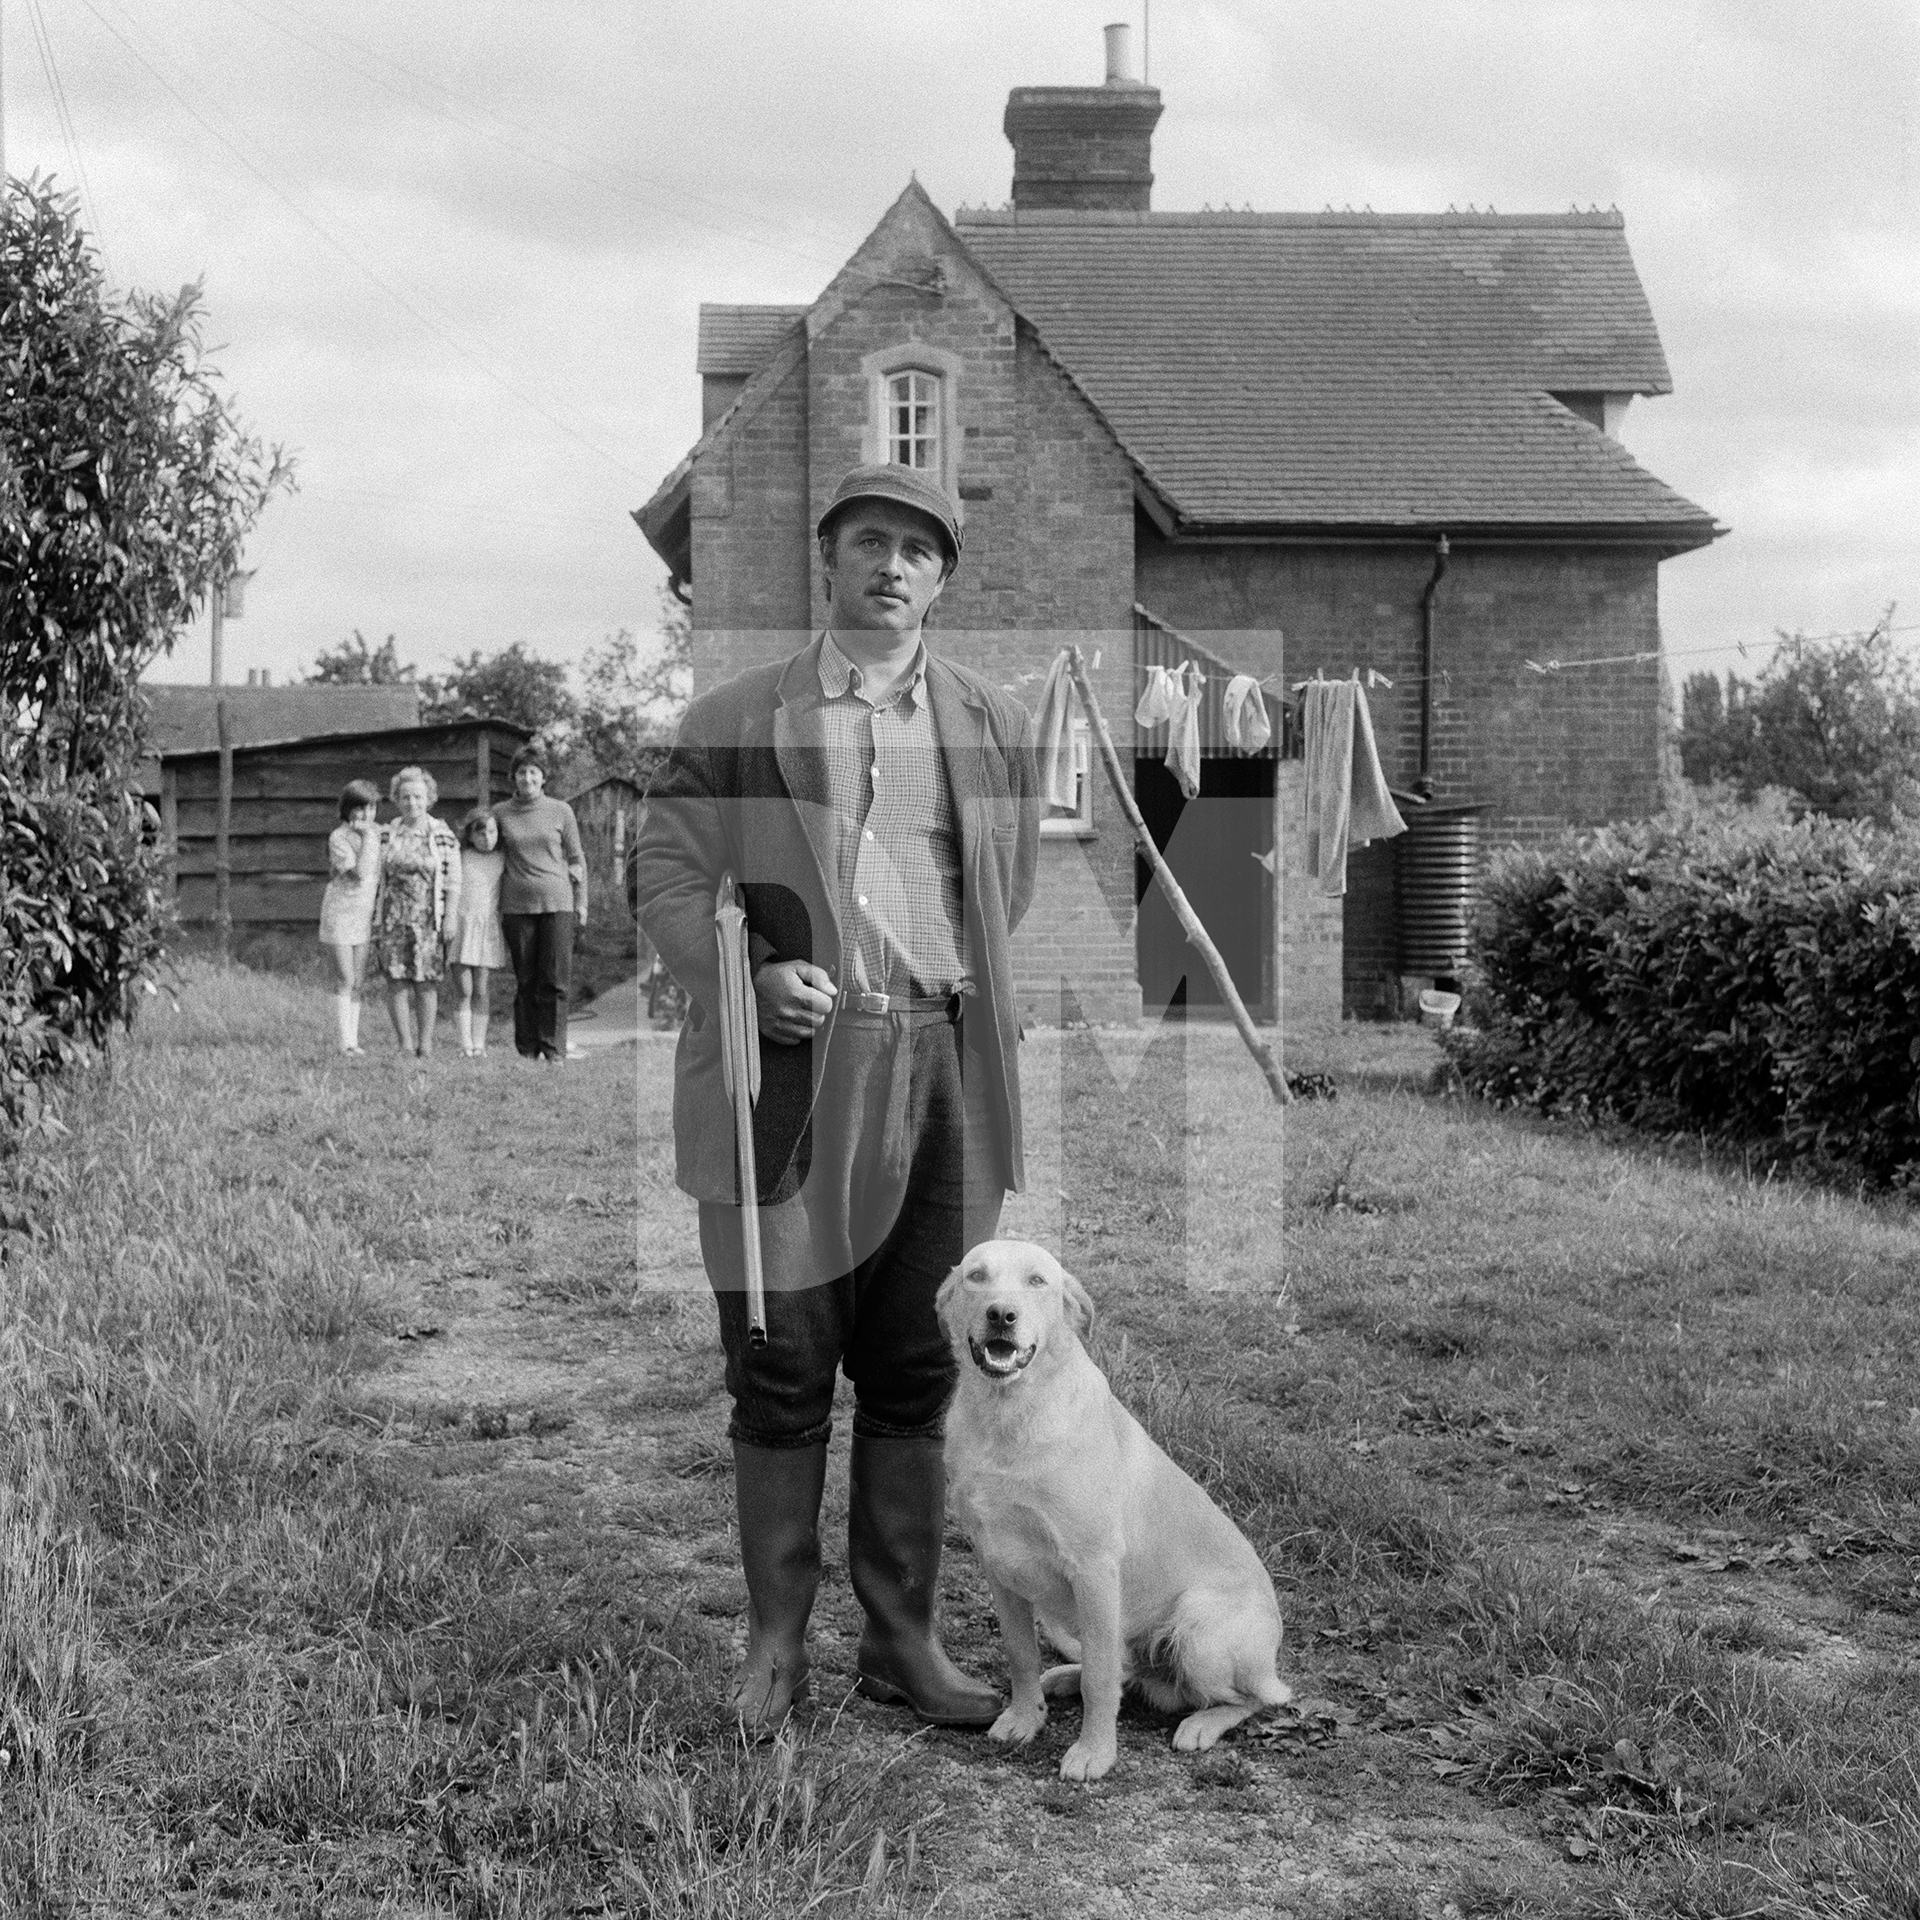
(877, 806)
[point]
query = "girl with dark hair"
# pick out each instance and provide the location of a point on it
(346, 908)
(479, 944)
(543, 898)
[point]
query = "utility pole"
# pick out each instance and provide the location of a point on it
(223, 811)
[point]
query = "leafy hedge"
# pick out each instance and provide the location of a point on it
(81, 917)
(1748, 981)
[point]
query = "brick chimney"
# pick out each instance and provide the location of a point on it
(1085, 147)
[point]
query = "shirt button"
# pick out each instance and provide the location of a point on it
(861, 901)
(866, 833)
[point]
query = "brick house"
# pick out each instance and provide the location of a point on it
(1391, 439)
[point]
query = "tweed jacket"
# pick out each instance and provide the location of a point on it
(744, 791)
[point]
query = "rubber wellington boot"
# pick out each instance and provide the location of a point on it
(896, 1515)
(776, 1493)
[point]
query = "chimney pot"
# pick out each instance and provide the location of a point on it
(1086, 148)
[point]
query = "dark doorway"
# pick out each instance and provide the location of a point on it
(1210, 842)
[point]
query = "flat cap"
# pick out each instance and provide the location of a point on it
(905, 487)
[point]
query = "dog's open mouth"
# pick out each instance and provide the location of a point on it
(1000, 1359)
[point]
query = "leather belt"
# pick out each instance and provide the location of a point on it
(946, 1006)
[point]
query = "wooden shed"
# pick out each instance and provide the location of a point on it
(286, 800)
(609, 816)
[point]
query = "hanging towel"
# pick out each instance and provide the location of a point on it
(1347, 799)
(1244, 712)
(1183, 728)
(1157, 703)
(1053, 736)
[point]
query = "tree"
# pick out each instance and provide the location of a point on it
(355, 664)
(666, 682)
(629, 701)
(127, 488)
(512, 684)
(1716, 728)
(1836, 724)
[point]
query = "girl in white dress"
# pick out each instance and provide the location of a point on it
(346, 908)
(479, 944)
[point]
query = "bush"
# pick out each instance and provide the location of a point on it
(81, 917)
(1747, 979)
(127, 488)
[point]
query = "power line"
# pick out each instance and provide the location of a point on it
(584, 175)
(422, 319)
(63, 118)
(418, 503)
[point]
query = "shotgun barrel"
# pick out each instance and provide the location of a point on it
(740, 1067)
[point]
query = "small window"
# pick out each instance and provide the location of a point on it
(913, 419)
(1076, 821)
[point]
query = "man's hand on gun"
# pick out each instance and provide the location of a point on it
(794, 998)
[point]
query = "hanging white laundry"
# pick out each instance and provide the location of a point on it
(1183, 724)
(1347, 800)
(1244, 712)
(1053, 736)
(1157, 702)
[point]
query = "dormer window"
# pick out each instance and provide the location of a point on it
(913, 398)
(913, 419)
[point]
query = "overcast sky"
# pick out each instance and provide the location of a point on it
(454, 254)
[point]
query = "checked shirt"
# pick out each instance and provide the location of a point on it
(899, 843)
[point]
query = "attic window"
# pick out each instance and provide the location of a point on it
(913, 419)
(913, 409)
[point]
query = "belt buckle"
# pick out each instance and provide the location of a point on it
(872, 1003)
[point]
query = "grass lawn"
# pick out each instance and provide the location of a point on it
(365, 1523)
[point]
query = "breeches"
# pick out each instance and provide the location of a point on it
(899, 1185)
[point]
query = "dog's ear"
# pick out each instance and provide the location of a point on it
(1079, 1305)
(943, 1302)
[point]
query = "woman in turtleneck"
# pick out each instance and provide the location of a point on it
(543, 898)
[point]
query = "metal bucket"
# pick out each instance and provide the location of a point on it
(1436, 862)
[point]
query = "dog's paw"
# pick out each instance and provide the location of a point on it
(1018, 1725)
(1088, 1759)
(1199, 1731)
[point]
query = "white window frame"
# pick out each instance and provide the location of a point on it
(936, 364)
(913, 418)
(1077, 823)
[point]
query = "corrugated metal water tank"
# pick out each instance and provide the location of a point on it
(1436, 862)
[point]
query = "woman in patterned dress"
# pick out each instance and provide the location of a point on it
(417, 908)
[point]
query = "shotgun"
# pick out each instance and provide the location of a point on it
(740, 1068)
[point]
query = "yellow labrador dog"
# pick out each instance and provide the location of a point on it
(1082, 1523)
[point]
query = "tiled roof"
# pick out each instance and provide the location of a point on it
(1321, 369)
(181, 718)
(741, 339)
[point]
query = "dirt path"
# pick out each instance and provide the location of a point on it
(597, 1423)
